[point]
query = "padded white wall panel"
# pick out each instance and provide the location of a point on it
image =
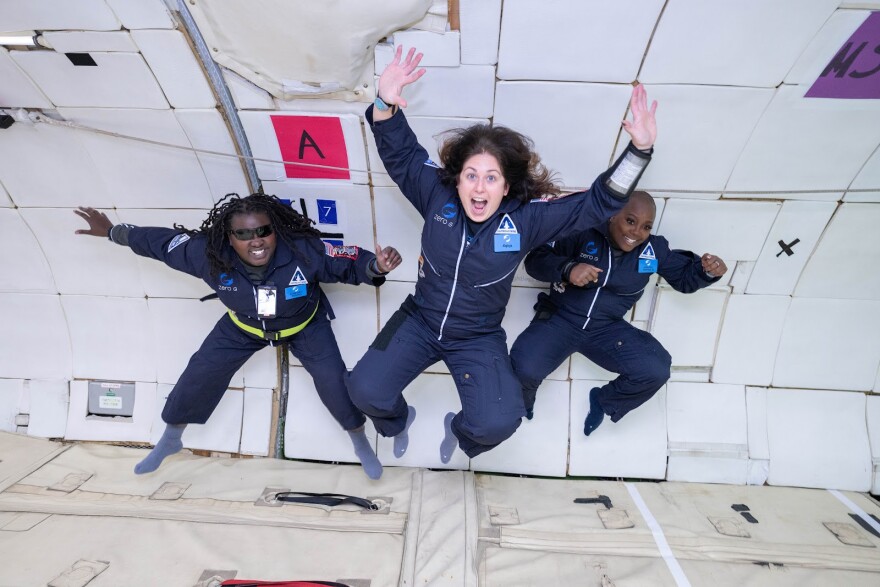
(18, 89)
(92, 15)
(574, 141)
(25, 268)
(176, 68)
(777, 272)
(438, 49)
(83, 264)
(518, 316)
(685, 158)
(142, 175)
(399, 225)
(867, 179)
(738, 276)
(38, 327)
(480, 24)
(463, 91)
(687, 325)
(10, 394)
(356, 323)
(825, 45)
(633, 447)
(873, 419)
(756, 408)
(222, 431)
(735, 231)
(841, 264)
(749, 339)
(142, 14)
(157, 278)
(574, 31)
(111, 338)
(540, 445)
(81, 426)
(86, 41)
(206, 130)
(245, 94)
(807, 143)
(747, 43)
(310, 432)
(256, 422)
(818, 439)
(5, 202)
(49, 402)
(120, 80)
(829, 344)
(433, 396)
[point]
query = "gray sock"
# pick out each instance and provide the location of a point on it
(447, 447)
(363, 450)
(401, 441)
(169, 444)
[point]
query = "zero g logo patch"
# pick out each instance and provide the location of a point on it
(226, 282)
(591, 248)
(177, 241)
(449, 211)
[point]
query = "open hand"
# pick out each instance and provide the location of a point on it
(713, 265)
(583, 273)
(643, 127)
(398, 75)
(99, 224)
(387, 259)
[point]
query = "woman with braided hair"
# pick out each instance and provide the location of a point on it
(270, 286)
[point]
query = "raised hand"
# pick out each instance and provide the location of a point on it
(713, 265)
(99, 224)
(642, 129)
(387, 259)
(583, 273)
(398, 75)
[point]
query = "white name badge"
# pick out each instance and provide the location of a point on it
(266, 297)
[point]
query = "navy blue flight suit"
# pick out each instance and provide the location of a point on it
(295, 272)
(462, 290)
(589, 319)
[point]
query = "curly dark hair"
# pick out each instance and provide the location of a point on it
(287, 222)
(520, 164)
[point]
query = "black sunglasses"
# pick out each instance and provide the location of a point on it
(246, 234)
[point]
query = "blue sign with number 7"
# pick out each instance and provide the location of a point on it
(327, 212)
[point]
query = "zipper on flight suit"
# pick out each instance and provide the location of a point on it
(598, 289)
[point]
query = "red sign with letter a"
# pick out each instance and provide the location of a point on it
(316, 140)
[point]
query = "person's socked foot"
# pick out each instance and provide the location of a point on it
(365, 454)
(447, 447)
(401, 441)
(596, 415)
(169, 444)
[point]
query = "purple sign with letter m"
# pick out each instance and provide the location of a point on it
(854, 72)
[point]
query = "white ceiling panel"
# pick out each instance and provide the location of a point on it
(618, 31)
(26, 319)
(687, 325)
(42, 165)
(158, 279)
(222, 431)
(5, 202)
(829, 344)
(464, 91)
(633, 447)
(175, 66)
(735, 231)
(357, 320)
(845, 252)
(83, 264)
(399, 225)
(808, 143)
(118, 80)
(867, 179)
(798, 226)
(330, 140)
(433, 396)
(138, 174)
(480, 22)
(704, 41)
(135, 429)
(91, 15)
(825, 45)
(245, 94)
(429, 132)
(142, 14)
(574, 141)
(685, 156)
(86, 41)
(25, 268)
(438, 49)
(111, 338)
(17, 88)
(749, 339)
(838, 458)
(207, 130)
(256, 422)
(539, 446)
(518, 316)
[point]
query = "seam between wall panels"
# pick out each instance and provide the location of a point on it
(471, 530)
(411, 536)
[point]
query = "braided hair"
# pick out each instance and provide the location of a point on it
(287, 223)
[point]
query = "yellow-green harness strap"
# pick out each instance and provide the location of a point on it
(269, 335)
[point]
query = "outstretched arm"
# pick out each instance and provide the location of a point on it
(99, 224)
(642, 129)
(396, 76)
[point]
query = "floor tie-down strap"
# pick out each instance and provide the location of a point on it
(328, 499)
(249, 583)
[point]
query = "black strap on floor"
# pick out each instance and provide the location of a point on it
(329, 499)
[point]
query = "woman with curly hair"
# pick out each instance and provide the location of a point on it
(270, 286)
(489, 204)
